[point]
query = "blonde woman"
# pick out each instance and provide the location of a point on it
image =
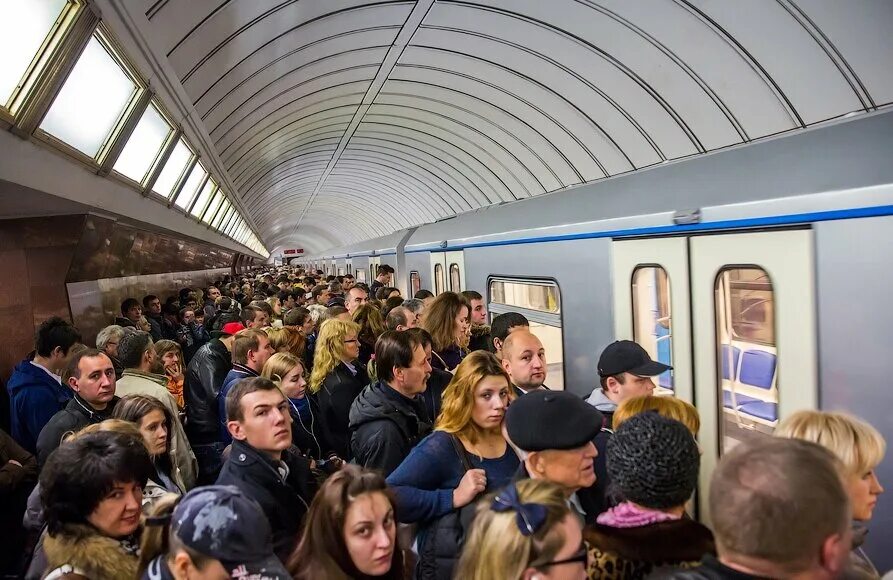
(860, 448)
(524, 531)
(371, 327)
(465, 456)
(669, 407)
(286, 339)
(337, 379)
(447, 321)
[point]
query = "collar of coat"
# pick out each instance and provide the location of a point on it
(158, 379)
(82, 546)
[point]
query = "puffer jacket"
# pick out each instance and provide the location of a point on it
(95, 556)
(335, 396)
(385, 425)
(204, 377)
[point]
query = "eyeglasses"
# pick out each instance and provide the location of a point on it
(581, 556)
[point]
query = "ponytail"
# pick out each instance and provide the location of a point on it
(156, 534)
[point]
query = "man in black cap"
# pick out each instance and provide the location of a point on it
(552, 432)
(226, 530)
(625, 371)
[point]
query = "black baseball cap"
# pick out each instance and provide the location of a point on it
(221, 522)
(626, 356)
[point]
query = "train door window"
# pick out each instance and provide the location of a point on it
(439, 282)
(747, 357)
(455, 278)
(140, 154)
(652, 319)
(176, 164)
(96, 96)
(540, 302)
(372, 271)
(415, 282)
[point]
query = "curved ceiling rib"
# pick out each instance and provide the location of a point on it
(343, 120)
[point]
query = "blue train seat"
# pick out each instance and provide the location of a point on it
(757, 369)
(663, 355)
(762, 409)
(739, 399)
(724, 356)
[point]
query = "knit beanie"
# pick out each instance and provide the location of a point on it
(653, 461)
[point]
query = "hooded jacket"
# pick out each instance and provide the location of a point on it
(34, 397)
(76, 415)
(98, 557)
(204, 377)
(600, 401)
(385, 425)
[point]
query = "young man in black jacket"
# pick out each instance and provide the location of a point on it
(260, 463)
(388, 417)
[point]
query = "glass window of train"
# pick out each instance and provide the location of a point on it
(542, 296)
(341, 271)
(216, 202)
(24, 43)
(455, 278)
(652, 319)
(415, 282)
(140, 154)
(746, 355)
(173, 169)
(93, 100)
(372, 271)
(361, 275)
(439, 282)
(190, 188)
(203, 198)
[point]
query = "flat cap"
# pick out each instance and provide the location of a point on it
(544, 419)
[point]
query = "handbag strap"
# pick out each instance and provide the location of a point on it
(460, 451)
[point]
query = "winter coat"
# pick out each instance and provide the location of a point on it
(98, 557)
(13, 477)
(633, 553)
(155, 323)
(335, 396)
(709, 569)
(433, 395)
(308, 435)
(284, 502)
(600, 401)
(236, 374)
(448, 358)
(385, 425)
(204, 377)
(480, 338)
(125, 322)
(76, 415)
(135, 382)
(34, 397)
(859, 566)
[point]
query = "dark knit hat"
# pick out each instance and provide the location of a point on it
(545, 419)
(653, 461)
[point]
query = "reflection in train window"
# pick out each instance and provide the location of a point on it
(652, 319)
(747, 357)
(415, 282)
(455, 280)
(439, 282)
(540, 302)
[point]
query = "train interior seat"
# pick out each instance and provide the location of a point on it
(752, 370)
(664, 344)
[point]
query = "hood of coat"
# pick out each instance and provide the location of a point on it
(379, 402)
(600, 401)
(83, 547)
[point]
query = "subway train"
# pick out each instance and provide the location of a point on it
(711, 179)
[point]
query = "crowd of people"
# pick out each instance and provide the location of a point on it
(294, 425)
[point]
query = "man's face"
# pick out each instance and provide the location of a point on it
(632, 386)
(415, 378)
(478, 312)
(324, 297)
(347, 284)
(572, 469)
(188, 316)
(525, 361)
(96, 383)
(265, 424)
(213, 293)
(134, 313)
(412, 321)
(261, 320)
(356, 298)
(155, 306)
(259, 357)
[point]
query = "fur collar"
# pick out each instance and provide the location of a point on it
(82, 547)
(480, 329)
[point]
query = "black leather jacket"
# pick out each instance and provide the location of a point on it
(204, 377)
(338, 391)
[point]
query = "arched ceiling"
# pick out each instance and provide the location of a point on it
(343, 120)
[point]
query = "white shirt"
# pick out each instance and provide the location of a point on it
(47, 371)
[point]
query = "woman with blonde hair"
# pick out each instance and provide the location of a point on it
(286, 339)
(524, 531)
(466, 455)
(287, 371)
(669, 407)
(337, 379)
(371, 327)
(860, 448)
(447, 321)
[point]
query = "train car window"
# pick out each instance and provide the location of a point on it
(191, 187)
(173, 170)
(540, 302)
(455, 278)
(94, 99)
(203, 198)
(372, 271)
(415, 282)
(652, 319)
(140, 154)
(746, 353)
(439, 282)
(361, 275)
(21, 42)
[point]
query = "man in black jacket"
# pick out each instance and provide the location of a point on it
(388, 417)
(92, 378)
(260, 464)
(204, 377)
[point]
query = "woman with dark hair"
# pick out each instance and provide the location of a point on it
(447, 321)
(371, 327)
(91, 489)
(154, 423)
(351, 531)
